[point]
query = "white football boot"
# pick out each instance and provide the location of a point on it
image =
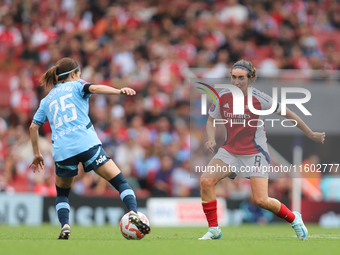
(299, 227)
(213, 233)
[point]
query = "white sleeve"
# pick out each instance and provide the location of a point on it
(278, 108)
(267, 101)
(214, 111)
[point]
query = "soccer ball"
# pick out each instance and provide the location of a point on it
(129, 230)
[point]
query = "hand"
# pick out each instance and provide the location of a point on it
(128, 91)
(37, 163)
(317, 136)
(210, 146)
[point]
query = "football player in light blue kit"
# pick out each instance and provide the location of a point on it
(74, 139)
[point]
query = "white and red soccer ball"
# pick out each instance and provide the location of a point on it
(129, 230)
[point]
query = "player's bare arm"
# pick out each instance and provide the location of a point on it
(38, 160)
(103, 89)
(211, 131)
(315, 136)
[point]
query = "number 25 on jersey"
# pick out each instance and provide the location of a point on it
(64, 106)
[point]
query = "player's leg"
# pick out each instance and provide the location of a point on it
(208, 196)
(63, 186)
(65, 170)
(259, 187)
(208, 180)
(110, 172)
(97, 159)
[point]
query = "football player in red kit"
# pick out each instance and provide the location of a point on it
(246, 146)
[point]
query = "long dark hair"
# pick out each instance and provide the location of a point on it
(52, 75)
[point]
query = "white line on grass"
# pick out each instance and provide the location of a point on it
(325, 236)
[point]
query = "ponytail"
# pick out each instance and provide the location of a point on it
(59, 73)
(50, 79)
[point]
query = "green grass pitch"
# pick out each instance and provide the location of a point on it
(246, 239)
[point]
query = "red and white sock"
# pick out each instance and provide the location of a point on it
(210, 210)
(286, 214)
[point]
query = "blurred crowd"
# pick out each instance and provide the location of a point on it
(150, 46)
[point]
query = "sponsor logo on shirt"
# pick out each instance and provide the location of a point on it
(68, 130)
(236, 116)
(101, 159)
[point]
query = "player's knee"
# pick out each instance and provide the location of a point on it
(261, 202)
(207, 183)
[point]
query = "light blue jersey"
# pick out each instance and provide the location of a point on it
(66, 107)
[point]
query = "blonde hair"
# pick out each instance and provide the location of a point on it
(64, 66)
(248, 66)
